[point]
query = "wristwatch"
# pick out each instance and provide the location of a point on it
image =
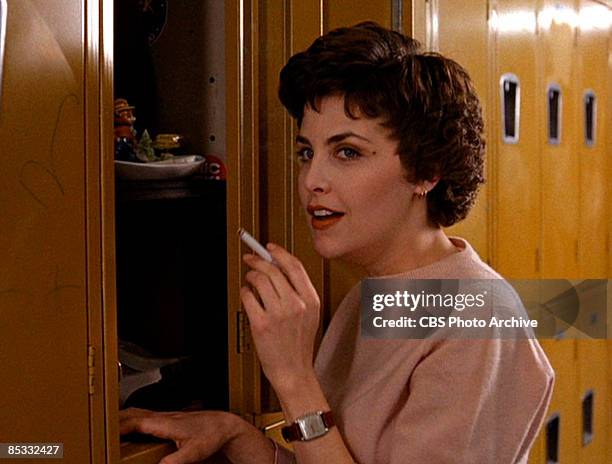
(309, 426)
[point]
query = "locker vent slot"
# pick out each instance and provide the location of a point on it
(554, 114)
(590, 113)
(587, 418)
(511, 107)
(552, 440)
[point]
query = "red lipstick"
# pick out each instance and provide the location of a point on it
(323, 217)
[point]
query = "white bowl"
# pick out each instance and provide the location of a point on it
(173, 168)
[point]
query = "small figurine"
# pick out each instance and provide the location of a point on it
(145, 150)
(125, 135)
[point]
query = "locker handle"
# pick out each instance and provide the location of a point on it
(3, 15)
(587, 418)
(552, 439)
(510, 93)
(590, 117)
(554, 97)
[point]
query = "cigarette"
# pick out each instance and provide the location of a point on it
(254, 245)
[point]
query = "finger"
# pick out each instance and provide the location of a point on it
(295, 272)
(279, 281)
(261, 282)
(158, 426)
(131, 419)
(129, 425)
(254, 310)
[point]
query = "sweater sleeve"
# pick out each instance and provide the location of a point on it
(474, 401)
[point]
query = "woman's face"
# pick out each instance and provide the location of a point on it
(352, 185)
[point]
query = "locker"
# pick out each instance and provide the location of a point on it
(44, 290)
(463, 35)
(516, 166)
(592, 49)
(556, 95)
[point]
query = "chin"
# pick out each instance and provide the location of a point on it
(324, 252)
(327, 250)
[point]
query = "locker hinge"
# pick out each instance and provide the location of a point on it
(91, 353)
(243, 339)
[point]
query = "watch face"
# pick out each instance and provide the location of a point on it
(312, 426)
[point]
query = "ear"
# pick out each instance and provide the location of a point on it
(428, 185)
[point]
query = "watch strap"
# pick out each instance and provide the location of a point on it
(293, 432)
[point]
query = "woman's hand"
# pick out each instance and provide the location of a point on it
(197, 435)
(283, 310)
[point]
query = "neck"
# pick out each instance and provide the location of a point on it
(410, 251)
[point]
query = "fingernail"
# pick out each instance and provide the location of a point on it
(270, 246)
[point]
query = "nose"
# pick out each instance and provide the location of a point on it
(315, 175)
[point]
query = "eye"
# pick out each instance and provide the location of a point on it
(304, 154)
(347, 153)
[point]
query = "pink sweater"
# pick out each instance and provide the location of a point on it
(433, 401)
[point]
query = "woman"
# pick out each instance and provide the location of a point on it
(391, 150)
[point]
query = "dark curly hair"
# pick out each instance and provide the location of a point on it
(427, 101)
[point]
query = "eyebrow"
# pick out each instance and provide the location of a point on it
(333, 139)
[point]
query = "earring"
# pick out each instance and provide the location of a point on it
(422, 194)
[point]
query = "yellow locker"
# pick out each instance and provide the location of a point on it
(45, 293)
(592, 56)
(463, 35)
(242, 145)
(591, 95)
(560, 180)
(558, 132)
(516, 167)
